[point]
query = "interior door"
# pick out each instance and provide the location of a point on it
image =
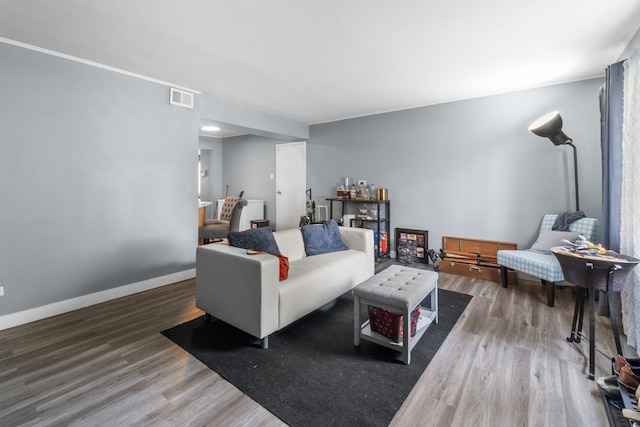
(291, 184)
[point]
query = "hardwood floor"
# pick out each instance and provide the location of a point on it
(506, 363)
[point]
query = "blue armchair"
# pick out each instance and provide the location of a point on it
(541, 264)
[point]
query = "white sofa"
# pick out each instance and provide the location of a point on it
(245, 291)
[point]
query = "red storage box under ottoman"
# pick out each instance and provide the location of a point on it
(389, 323)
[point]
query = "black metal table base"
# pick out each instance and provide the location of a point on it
(578, 315)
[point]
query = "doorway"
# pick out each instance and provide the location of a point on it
(291, 184)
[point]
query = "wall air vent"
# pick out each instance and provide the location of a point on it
(181, 98)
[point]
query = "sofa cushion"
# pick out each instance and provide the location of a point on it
(259, 239)
(290, 243)
(317, 280)
(322, 239)
(550, 238)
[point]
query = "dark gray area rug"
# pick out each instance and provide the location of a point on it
(312, 374)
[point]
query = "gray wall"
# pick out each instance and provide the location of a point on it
(98, 188)
(96, 180)
(468, 168)
(248, 161)
(211, 158)
(243, 119)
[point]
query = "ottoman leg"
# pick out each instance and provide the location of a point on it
(406, 336)
(434, 301)
(356, 320)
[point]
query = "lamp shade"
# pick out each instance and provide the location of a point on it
(550, 126)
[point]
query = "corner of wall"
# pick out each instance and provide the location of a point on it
(634, 43)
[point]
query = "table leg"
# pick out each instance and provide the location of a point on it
(612, 312)
(574, 322)
(580, 315)
(592, 325)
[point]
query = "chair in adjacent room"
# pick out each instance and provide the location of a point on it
(218, 229)
(538, 261)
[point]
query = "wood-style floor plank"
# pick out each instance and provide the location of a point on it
(506, 363)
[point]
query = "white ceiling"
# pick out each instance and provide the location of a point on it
(325, 60)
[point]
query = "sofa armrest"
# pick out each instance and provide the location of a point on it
(239, 289)
(359, 239)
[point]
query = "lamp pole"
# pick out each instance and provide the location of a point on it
(575, 172)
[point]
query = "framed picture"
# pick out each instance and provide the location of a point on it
(421, 237)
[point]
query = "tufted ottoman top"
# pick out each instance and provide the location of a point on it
(398, 286)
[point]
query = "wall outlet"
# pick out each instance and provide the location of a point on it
(1, 291)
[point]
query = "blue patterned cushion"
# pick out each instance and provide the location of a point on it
(259, 239)
(537, 264)
(322, 239)
(586, 227)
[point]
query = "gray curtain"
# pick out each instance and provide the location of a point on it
(611, 102)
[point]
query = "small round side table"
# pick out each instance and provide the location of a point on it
(594, 272)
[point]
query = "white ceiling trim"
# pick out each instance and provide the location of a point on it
(97, 65)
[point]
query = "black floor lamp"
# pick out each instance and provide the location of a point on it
(550, 126)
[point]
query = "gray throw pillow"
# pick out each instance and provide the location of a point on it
(259, 239)
(550, 238)
(322, 239)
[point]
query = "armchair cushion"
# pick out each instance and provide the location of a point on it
(537, 264)
(547, 239)
(214, 229)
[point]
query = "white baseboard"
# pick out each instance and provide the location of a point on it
(31, 315)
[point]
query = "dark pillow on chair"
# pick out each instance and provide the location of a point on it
(322, 239)
(259, 239)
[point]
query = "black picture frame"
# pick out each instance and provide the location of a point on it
(422, 242)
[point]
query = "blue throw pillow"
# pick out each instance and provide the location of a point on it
(259, 239)
(322, 239)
